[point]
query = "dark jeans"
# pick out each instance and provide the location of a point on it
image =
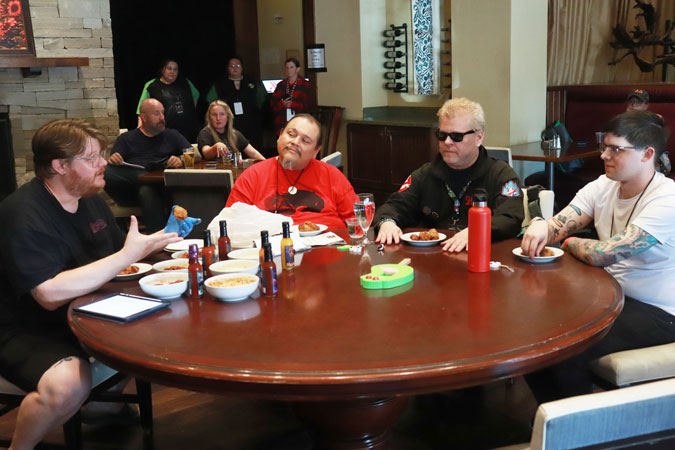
(121, 183)
(638, 325)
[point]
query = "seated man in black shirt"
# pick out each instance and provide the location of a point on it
(58, 241)
(153, 147)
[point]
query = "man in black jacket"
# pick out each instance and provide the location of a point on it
(439, 194)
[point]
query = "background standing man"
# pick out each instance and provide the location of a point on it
(58, 241)
(152, 147)
(438, 194)
(245, 96)
(633, 209)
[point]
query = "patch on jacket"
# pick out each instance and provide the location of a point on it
(406, 184)
(511, 189)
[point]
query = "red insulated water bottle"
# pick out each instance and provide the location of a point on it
(480, 221)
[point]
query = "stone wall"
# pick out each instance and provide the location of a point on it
(63, 28)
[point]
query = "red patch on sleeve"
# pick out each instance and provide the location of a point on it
(406, 184)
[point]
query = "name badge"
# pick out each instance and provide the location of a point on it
(238, 109)
(289, 114)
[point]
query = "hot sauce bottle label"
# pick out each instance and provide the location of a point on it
(275, 288)
(198, 283)
(290, 257)
(272, 282)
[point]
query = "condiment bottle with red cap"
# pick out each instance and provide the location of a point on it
(480, 222)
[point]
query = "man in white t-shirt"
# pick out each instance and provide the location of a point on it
(633, 208)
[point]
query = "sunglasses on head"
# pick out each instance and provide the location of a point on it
(455, 135)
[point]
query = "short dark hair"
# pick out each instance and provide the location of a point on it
(235, 57)
(61, 139)
(165, 62)
(641, 129)
(312, 119)
(293, 60)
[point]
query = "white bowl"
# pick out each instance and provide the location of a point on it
(232, 293)
(164, 285)
(163, 266)
(234, 266)
(245, 253)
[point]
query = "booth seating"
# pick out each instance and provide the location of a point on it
(585, 109)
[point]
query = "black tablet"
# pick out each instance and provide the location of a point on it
(122, 307)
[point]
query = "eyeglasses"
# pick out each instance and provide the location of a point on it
(455, 135)
(92, 160)
(235, 66)
(617, 149)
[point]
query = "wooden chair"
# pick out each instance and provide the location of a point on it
(103, 378)
(330, 118)
(203, 192)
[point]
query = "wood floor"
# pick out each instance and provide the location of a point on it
(479, 418)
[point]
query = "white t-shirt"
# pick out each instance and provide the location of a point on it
(650, 275)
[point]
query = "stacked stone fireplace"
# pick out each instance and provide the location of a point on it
(62, 29)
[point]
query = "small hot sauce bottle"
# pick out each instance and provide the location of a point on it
(264, 239)
(208, 254)
(224, 244)
(287, 250)
(269, 273)
(195, 287)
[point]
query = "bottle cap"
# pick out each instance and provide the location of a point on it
(207, 238)
(286, 227)
(223, 227)
(193, 251)
(264, 237)
(480, 197)
(267, 249)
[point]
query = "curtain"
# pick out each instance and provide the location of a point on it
(579, 35)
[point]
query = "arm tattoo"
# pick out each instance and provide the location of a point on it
(565, 223)
(630, 242)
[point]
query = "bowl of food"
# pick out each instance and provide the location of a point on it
(232, 287)
(164, 285)
(234, 266)
(172, 265)
(245, 253)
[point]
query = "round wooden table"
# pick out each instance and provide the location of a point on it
(348, 357)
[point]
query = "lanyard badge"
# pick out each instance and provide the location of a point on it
(455, 201)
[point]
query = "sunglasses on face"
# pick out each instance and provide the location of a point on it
(455, 135)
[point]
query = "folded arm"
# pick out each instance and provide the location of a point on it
(630, 242)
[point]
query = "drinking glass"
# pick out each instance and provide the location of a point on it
(189, 158)
(364, 210)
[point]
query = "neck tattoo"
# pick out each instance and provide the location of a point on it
(611, 230)
(291, 189)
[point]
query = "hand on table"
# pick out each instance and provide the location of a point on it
(174, 162)
(115, 159)
(389, 233)
(535, 238)
(458, 242)
(221, 149)
(139, 245)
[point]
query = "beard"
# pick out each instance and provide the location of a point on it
(287, 164)
(80, 187)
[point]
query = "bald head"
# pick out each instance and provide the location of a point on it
(152, 117)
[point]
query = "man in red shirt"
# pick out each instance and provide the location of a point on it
(295, 183)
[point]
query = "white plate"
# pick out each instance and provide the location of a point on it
(557, 253)
(183, 245)
(245, 253)
(142, 269)
(406, 238)
(322, 228)
(183, 254)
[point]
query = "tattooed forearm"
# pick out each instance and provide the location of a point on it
(630, 242)
(565, 223)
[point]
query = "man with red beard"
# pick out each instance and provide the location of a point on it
(58, 241)
(632, 207)
(295, 183)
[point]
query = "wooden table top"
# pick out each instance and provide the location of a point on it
(157, 176)
(323, 337)
(532, 151)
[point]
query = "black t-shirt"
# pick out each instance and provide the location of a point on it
(150, 152)
(39, 240)
(179, 106)
(206, 138)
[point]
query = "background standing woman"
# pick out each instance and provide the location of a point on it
(179, 97)
(290, 97)
(219, 138)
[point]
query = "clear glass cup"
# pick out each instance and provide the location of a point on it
(354, 228)
(364, 210)
(189, 158)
